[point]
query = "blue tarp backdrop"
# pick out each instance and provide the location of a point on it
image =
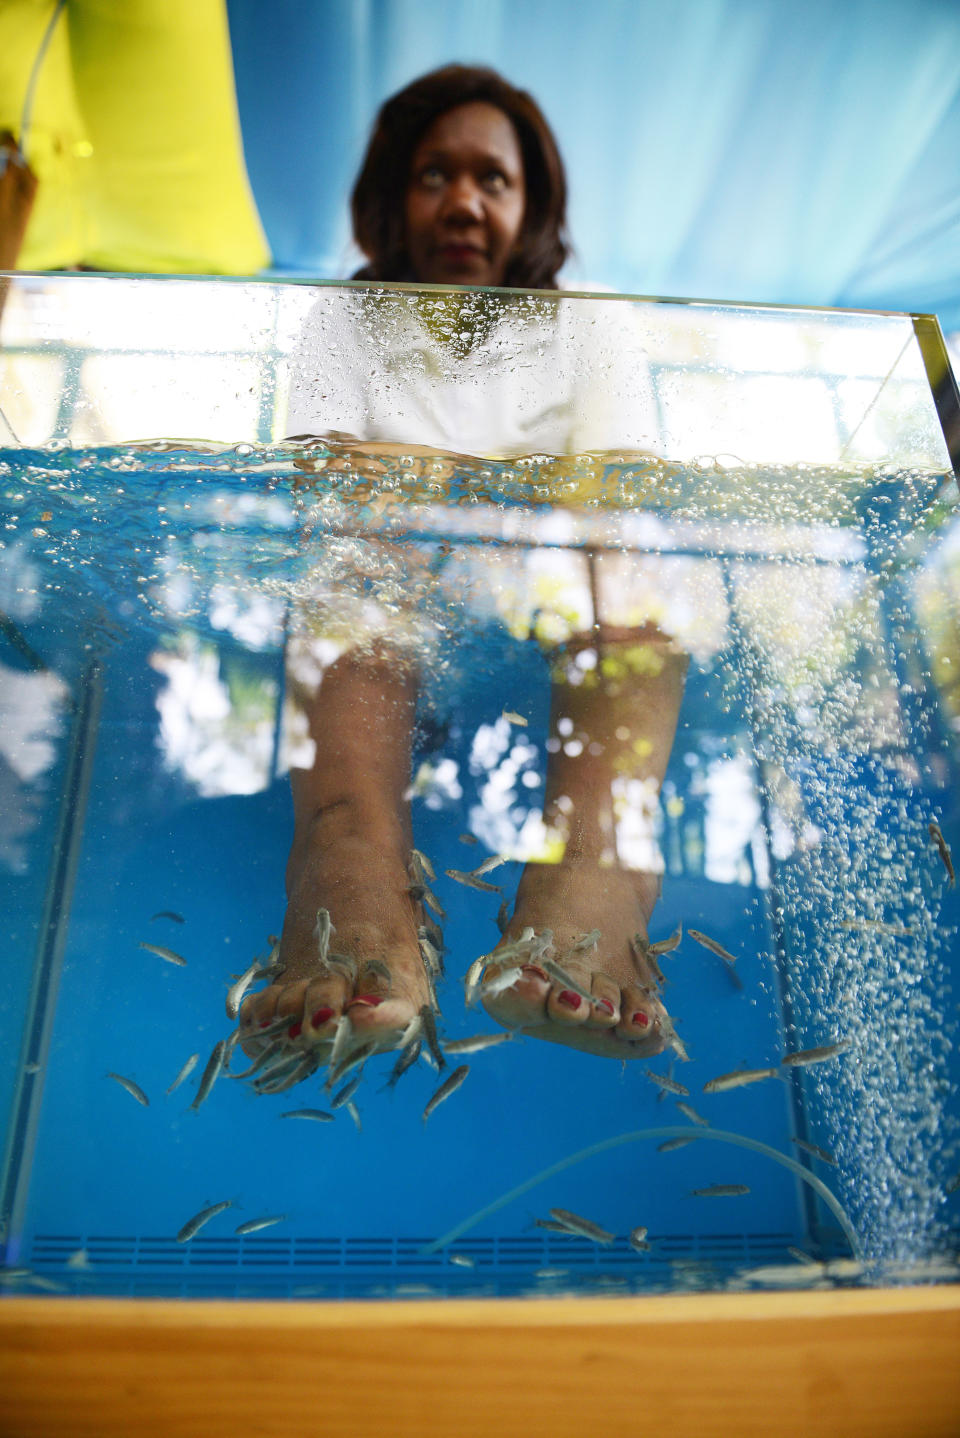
(785, 151)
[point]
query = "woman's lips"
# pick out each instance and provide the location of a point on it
(460, 254)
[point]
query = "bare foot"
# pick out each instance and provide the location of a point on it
(373, 978)
(349, 864)
(615, 702)
(571, 899)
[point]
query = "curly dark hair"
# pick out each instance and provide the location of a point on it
(378, 200)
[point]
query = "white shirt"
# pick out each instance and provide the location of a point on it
(481, 373)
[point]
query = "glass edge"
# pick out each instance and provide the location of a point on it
(942, 382)
(311, 282)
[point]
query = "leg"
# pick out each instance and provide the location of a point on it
(615, 727)
(350, 856)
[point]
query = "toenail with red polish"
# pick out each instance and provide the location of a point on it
(371, 1000)
(321, 1016)
(568, 997)
(606, 1005)
(641, 1018)
(265, 1023)
(294, 1030)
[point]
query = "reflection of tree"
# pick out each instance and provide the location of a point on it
(32, 706)
(217, 717)
(938, 615)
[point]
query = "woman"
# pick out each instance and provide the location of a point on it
(462, 184)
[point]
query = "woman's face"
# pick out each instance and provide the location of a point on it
(465, 197)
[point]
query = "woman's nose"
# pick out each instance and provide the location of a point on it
(464, 198)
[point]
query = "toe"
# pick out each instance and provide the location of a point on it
(566, 1007)
(639, 1018)
(322, 1006)
(605, 1014)
(524, 1003)
(257, 1012)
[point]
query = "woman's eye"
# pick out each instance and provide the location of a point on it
(432, 177)
(494, 182)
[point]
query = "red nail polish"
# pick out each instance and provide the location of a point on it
(371, 1000)
(606, 1005)
(640, 1018)
(321, 1016)
(293, 1031)
(568, 997)
(265, 1023)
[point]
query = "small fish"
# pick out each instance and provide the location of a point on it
(430, 954)
(422, 865)
(952, 1184)
(14, 1275)
(168, 914)
(642, 956)
(550, 1272)
(345, 1094)
(936, 835)
(671, 1143)
(162, 952)
(31, 1068)
(586, 942)
(560, 976)
(503, 917)
(344, 964)
(816, 1055)
(462, 1260)
(308, 1065)
(471, 980)
(449, 1086)
(432, 902)
(211, 1073)
(467, 838)
(350, 1061)
(513, 718)
(318, 1115)
(581, 1226)
(322, 930)
(429, 1028)
(669, 1085)
(236, 992)
(737, 1079)
(897, 931)
(408, 1057)
(471, 881)
(493, 862)
(498, 983)
(802, 1257)
(666, 946)
(185, 1072)
(673, 1038)
(266, 1054)
(552, 1226)
(354, 1113)
(193, 1225)
(375, 969)
(477, 1042)
(712, 945)
(636, 1239)
(80, 1259)
(811, 1148)
(133, 1089)
(253, 1225)
(720, 1190)
(692, 1115)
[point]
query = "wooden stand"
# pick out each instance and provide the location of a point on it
(883, 1363)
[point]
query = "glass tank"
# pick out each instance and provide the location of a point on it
(478, 793)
